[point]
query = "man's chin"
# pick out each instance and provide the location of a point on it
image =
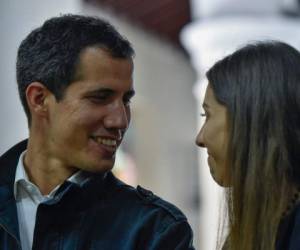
(104, 168)
(100, 167)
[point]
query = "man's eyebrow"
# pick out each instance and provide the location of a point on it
(101, 91)
(129, 93)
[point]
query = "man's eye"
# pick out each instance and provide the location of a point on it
(97, 99)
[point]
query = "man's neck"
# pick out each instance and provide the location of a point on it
(42, 170)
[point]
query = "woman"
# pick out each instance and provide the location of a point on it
(252, 136)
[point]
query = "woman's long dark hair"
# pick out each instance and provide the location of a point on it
(260, 86)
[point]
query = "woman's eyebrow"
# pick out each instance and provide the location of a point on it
(130, 93)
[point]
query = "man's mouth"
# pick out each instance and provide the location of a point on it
(105, 141)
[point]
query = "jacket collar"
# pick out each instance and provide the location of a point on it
(8, 209)
(8, 164)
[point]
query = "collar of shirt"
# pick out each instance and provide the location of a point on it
(23, 185)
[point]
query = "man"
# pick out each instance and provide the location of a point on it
(74, 75)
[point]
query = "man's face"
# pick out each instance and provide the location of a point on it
(214, 137)
(86, 127)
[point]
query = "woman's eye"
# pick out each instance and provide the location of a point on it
(127, 101)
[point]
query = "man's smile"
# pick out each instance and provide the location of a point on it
(105, 141)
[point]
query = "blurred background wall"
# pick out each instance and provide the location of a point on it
(175, 42)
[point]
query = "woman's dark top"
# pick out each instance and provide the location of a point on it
(288, 237)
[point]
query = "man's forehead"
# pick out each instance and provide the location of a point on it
(101, 52)
(102, 61)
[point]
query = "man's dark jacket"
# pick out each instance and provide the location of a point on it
(102, 214)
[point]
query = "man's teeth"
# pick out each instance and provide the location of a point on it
(107, 142)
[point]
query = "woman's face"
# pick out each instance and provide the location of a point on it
(214, 137)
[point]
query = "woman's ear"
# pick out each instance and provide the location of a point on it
(36, 95)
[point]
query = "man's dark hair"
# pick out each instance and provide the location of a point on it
(50, 53)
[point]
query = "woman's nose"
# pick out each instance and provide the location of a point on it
(199, 139)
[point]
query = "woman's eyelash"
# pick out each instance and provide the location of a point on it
(127, 100)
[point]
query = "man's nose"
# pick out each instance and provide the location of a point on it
(199, 139)
(118, 116)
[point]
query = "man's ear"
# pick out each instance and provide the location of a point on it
(36, 96)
